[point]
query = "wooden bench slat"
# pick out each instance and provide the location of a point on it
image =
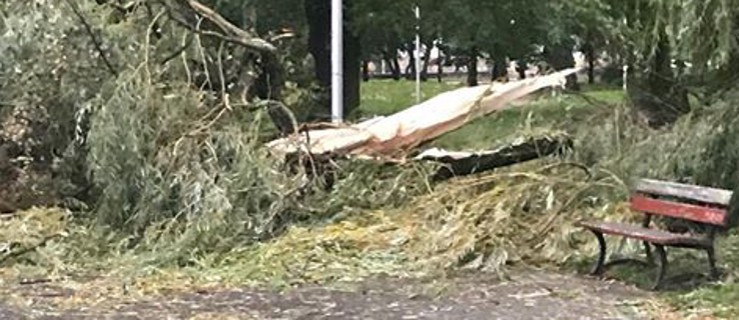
(697, 193)
(651, 235)
(679, 210)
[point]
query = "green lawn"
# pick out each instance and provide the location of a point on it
(386, 97)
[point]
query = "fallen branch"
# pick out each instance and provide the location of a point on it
(231, 33)
(95, 41)
(466, 163)
(22, 251)
(395, 134)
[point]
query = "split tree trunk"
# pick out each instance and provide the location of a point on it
(395, 134)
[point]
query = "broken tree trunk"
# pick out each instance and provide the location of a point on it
(394, 135)
(466, 163)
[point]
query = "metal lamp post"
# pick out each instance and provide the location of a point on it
(337, 62)
(417, 11)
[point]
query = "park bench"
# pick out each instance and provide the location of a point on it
(705, 206)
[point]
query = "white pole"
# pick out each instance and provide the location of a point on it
(337, 62)
(625, 77)
(418, 54)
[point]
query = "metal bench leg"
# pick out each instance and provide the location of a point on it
(712, 263)
(662, 255)
(599, 265)
(648, 251)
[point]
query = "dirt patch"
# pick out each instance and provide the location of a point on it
(525, 295)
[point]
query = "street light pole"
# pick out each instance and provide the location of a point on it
(337, 62)
(418, 54)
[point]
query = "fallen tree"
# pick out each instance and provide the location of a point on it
(394, 135)
(465, 163)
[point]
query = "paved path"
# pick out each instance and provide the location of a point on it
(527, 295)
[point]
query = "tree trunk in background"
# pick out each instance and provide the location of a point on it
(560, 57)
(410, 69)
(318, 14)
(365, 70)
(589, 52)
(521, 69)
(657, 95)
(472, 67)
(426, 61)
(440, 68)
(392, 64)
(271, 78)
(352, 69)
(396, 66)
(500, 70)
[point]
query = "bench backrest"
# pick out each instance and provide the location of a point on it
(688, 202)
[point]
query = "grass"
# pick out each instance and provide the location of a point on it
(385, 97)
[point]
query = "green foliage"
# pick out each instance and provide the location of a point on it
(722, 151)
(49, 71)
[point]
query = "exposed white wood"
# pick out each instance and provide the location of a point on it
(393, 134)
(685, 191)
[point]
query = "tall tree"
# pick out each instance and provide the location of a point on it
(648, 35)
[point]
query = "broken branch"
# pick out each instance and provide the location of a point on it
(466, 163)
(231, 33)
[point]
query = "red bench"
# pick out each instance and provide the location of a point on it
(705, 206)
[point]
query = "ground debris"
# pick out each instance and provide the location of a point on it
(467, 297)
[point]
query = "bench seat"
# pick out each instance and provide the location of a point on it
(654, 236)
(707, 207)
